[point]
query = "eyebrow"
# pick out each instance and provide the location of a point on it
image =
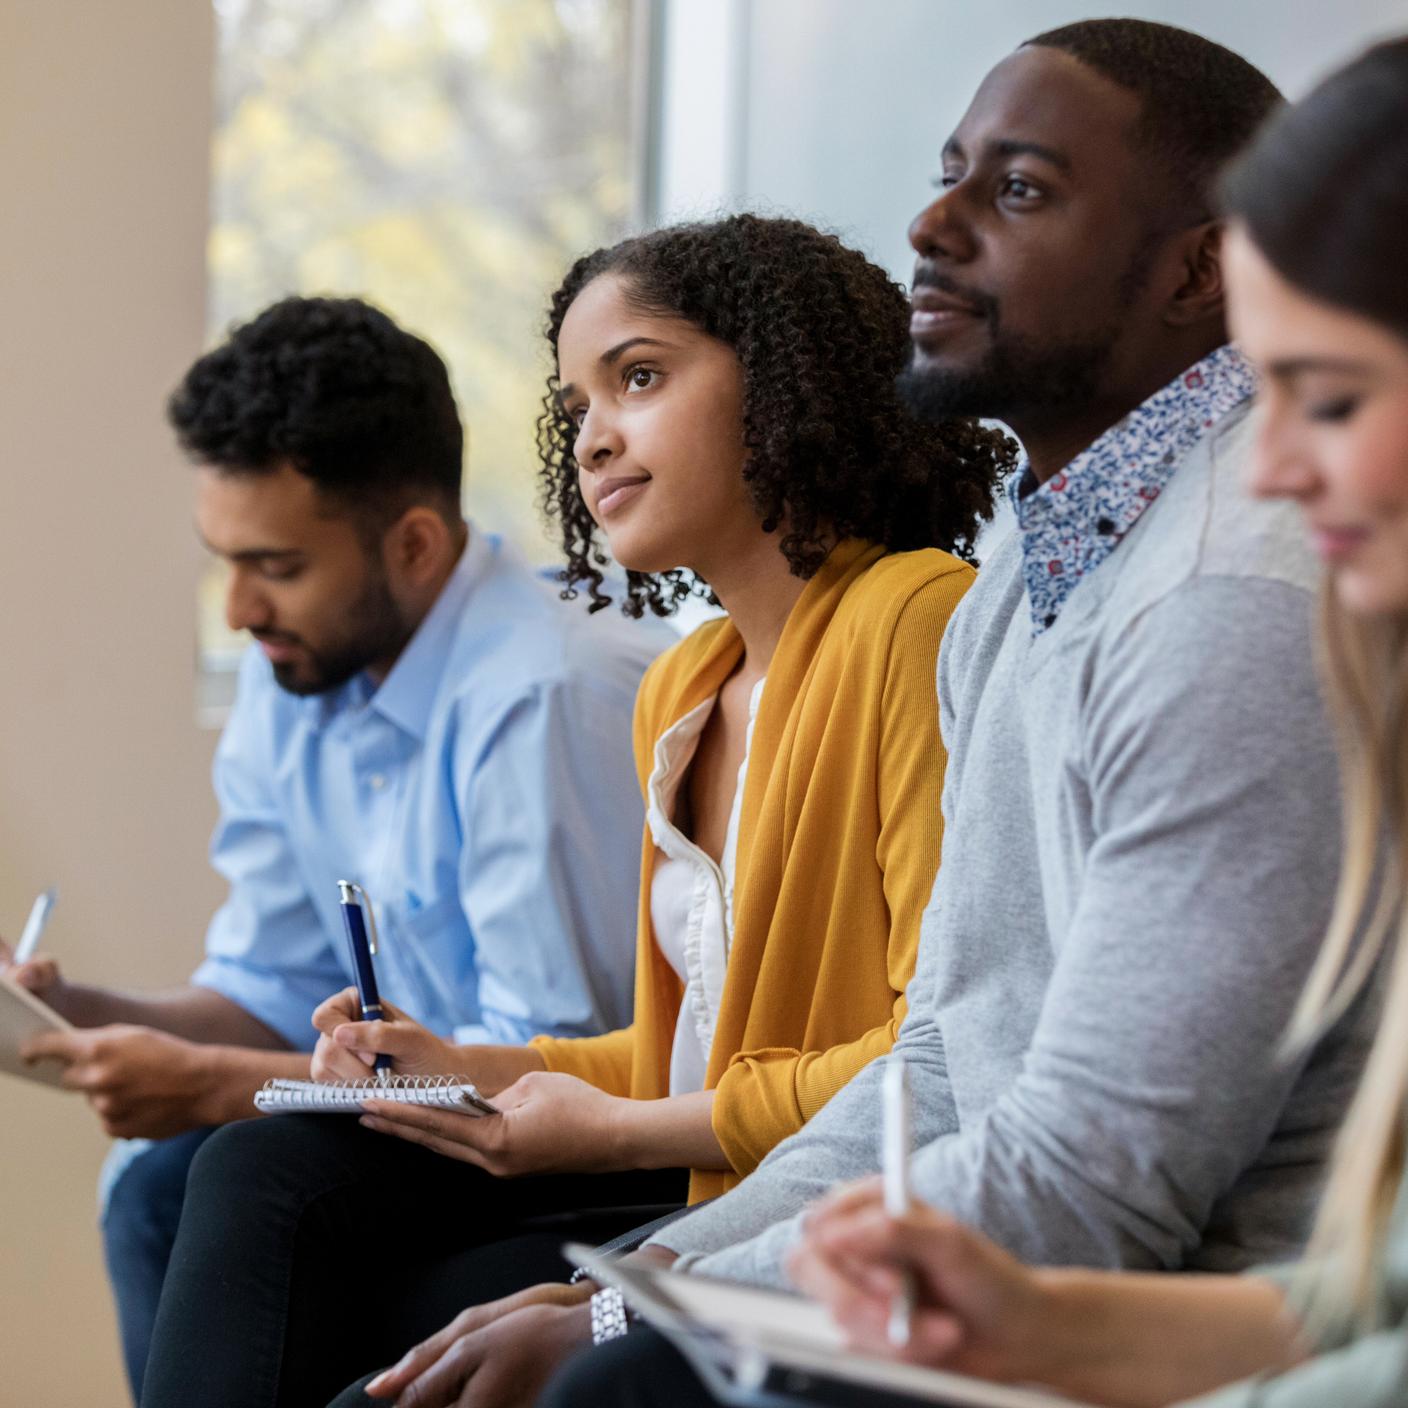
(1010, 146)
(607, 358)
(1287, 367)
(250, 554)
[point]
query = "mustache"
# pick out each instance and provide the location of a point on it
(278, 637)
(926, 276)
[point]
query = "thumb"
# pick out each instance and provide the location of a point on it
(60, 1046)
(36, 975)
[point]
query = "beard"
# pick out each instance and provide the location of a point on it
(374, 630)
(1017, 377)
(1021, 376)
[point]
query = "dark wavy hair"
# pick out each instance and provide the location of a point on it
(335, 388)
(821, 335)
(1323, 191)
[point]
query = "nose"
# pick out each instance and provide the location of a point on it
(599, 440)
(1282, 467)
(246, 606)
(942, 231)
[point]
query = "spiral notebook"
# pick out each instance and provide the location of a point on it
(312, 1097)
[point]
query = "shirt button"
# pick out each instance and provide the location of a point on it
(377, 781)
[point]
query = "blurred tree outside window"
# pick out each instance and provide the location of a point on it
(445, 159)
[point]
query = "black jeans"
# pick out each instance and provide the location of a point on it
(642, 1369)
(312, 1251)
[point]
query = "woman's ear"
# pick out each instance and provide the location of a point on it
(1200, 294)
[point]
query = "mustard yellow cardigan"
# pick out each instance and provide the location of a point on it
(838, 846)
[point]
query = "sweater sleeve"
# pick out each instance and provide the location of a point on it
(1205, 893)
(1371, 1372)
(765, 1096)
(604, 1061)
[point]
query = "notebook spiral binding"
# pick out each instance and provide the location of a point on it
(438, 1091)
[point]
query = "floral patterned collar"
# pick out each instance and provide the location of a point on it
(1074, 521)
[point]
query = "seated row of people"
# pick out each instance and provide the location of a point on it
(1134, 790)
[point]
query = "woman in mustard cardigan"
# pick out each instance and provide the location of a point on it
(716, 433)
(724, 412)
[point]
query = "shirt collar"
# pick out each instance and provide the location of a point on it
(406, 696)
(1074, 521)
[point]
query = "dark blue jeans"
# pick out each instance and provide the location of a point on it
(139, 1229)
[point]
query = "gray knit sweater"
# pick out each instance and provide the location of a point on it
(1140, 847)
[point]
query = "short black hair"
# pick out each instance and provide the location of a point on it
(1323, 191)
(1200, 103)
(821, 335)
(335, 388)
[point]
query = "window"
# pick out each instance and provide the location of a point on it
(446, 159)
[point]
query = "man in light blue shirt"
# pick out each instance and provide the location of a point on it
(421, 714)
(484, 796)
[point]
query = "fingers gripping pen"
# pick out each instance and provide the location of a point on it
(357, 916)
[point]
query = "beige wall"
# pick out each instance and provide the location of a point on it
(104, 134)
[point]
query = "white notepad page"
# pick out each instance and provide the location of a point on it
(22, 1016)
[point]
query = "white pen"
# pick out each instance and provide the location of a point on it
(34, 926)
(894, 1164)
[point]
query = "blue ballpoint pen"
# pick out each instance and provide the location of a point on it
(356, 915)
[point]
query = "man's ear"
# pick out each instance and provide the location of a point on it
(1200, 294)
(417, 546)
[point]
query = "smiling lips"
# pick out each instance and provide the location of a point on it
(936, 311)
(1334, 544)
(619, 490)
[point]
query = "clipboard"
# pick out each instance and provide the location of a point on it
(761, 1349)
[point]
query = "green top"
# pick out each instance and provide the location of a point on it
(1350, 1370)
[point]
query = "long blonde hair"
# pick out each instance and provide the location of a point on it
(1323, 192)
(1366, 667)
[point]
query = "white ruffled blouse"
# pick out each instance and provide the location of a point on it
(691, 898)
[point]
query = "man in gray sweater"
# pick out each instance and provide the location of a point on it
(1140, 842)
(1140, 831)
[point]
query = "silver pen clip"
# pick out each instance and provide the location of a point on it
(350, 892)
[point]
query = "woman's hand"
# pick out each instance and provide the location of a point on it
(438, 1368)
(977, 1310)
(347, 1045)
(549, 1123)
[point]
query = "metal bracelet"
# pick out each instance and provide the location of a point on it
(609, 1318)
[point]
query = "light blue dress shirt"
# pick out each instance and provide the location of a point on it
(485, 796)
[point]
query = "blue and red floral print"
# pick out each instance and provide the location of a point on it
(1074, 521)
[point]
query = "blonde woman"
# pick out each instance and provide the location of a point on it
(1319, 299)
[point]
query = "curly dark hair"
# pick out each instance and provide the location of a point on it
(821, 335)
(334, 387)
